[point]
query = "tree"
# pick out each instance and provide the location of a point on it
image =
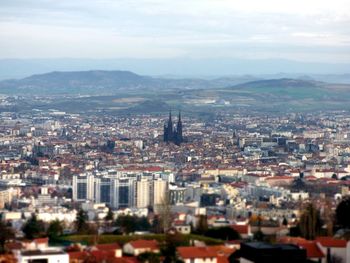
(343, 213)
(80, 221)
(156, 225)
(298, 184)
(165, 214)
(310, 222)
(129, 224)
(126, 223)
(329, 216)
(202, 225)
(91, 229)
(143, 224)
(33, 228)
(223, 233)
(259, 235)
(259, 220)
(109, 216)
(294, 231)
(6, 233)
(285, 221)
(149, 257)
(172, 241)
(55, 229)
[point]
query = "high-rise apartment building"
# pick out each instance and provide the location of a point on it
(120, 191)
(160, 189)
(123, 193)
(143, 193)
(84, 187)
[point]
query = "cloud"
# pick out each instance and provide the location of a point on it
(163, 28)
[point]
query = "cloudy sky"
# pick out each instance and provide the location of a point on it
(308, 30)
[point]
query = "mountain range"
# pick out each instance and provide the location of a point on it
(125, 91)
(106, 82)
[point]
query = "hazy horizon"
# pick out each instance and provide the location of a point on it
(180, 67)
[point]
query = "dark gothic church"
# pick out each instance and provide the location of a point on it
(171, 133)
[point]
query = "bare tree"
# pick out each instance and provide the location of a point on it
(310, 222)
(164, 211)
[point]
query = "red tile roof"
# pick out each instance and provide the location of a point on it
(41, 240)
(127, 260)
(95, 256)
(241, 229)
(113, 246)
(331, 242)
(239, 184)
(79, 255)
(15, 245)
(310, 177)
(8, 258)
(152, 244)
(153, 169)
(292, 240)
(196, 252)
(222, 251)
(103, 255)
(311, 247)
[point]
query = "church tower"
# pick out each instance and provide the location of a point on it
(170, 128)
(171, 133)
(179, 138)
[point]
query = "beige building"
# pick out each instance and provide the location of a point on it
(6, 196)
(143, 191)
(150, 192)
(160, 188)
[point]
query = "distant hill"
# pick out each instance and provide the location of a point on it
(75, 82)
(127, 92)
(278, 83)
(286, 89)
(85, 78)
(286, 93)
(99, 82)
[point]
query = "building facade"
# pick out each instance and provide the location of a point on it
(120, 191)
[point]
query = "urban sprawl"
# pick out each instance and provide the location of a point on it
(174, 188)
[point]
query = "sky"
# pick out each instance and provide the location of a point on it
(307, 30)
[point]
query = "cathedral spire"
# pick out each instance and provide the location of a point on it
(171, 133)
(179, 138)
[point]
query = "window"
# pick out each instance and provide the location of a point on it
(81, 190)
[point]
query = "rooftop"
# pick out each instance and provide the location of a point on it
(42, 252)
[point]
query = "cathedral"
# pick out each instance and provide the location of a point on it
(171, 133)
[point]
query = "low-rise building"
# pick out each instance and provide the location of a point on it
(140, 246)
